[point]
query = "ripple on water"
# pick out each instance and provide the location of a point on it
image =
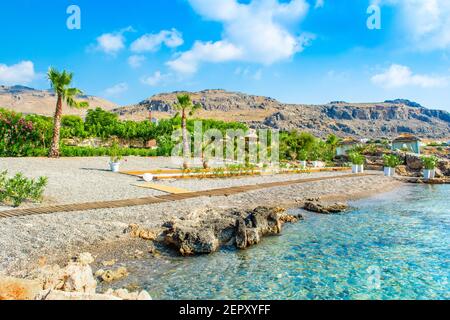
(403, 237)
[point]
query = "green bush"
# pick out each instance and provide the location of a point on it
(356, 158)
(430, 163)
(391, 161)
(18, 189)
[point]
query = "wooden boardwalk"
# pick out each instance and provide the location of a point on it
(164, 198)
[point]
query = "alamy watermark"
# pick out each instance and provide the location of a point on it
(374, 20)
(74, 20)
(234, 146)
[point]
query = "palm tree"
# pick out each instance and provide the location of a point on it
(186, 107)
(60, 83)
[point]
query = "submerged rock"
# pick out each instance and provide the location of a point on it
(204, 234)
(112, 275)
(315, 205)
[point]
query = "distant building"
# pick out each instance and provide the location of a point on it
(346, 145)
(408, 143)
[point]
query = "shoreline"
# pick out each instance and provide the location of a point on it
(61, 236)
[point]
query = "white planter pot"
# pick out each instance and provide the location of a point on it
(303, 164)
(389, 172)
(115, 166)
(357, 168)
(429, 174)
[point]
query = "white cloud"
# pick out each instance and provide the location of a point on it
(156, 79)
(117, 90)
(425, 22)
(256, 32)
(20, 73)
(401, 76)
(112, 43)
(220, 51)
(153, 42)
(135, 61)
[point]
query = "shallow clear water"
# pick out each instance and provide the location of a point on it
(393, 246)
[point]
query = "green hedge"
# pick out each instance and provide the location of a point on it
(31, 135)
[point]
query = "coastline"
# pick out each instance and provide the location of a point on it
(57, 237)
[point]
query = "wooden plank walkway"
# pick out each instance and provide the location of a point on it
(164, 198)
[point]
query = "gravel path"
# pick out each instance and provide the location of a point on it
(78, 180)
(24, 240)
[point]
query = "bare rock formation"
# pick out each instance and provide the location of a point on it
(206, 233)
(318, 206)
(73, 282)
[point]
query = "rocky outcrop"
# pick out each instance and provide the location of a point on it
(208, 232)
(211, 100)
(73, 282)
(18, 289)
(318, 206)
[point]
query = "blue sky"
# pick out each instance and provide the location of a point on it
(302, 51)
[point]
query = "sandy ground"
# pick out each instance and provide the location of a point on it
(24, 240)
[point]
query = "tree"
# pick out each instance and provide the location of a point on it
(186, 107)
(60, 83)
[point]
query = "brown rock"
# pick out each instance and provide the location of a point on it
(18, 289)
(325, 208)
(242, 228)
(413, 162)
(137, 232)
(112, 275)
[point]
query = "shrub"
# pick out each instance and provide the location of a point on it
(356, 158)
(430, 163)
(16, 134)
(116, 154)
(18, 189)
(391, 161)
(303, 155)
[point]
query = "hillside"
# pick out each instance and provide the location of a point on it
(28, 100)
(363, 120)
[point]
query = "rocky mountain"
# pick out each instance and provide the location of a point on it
(28, 100)
(216, 104)
(361, 120)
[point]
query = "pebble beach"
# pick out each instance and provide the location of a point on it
(25, 240)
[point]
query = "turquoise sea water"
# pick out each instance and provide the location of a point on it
(393, 246)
